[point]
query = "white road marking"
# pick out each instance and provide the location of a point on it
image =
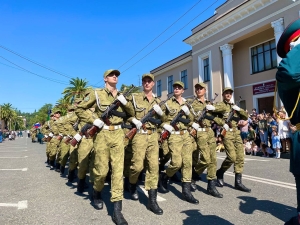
(13, 157)
(14, 146)
(142, 190)
(266, 181)
(24, 169)
(246, 159)
(15, 151)
(19, 205)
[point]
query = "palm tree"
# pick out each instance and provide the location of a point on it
(6, 113)
(79, 86)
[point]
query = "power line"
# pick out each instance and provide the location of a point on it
(25, 70)
(160, 34)
(169, 37)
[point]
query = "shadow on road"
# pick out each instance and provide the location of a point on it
(195, 218)
(278, 210)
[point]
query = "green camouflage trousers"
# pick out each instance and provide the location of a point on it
(91, 165)
(53, 148)
(127, 159)
(206, 146)
(48, 149)
(109, 148)
(73, 158)
(234, 151)
(145, 148)
(180, 147)
(63, 153)
(84, 149)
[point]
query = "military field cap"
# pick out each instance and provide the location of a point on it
(71, 107)
(51, 114)
(56, 110)
(148, 75)
(290, 34)
(107, 72)
(179, 83)
(227, 89)
(201, 84)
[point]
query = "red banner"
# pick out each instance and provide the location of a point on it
(264, 88)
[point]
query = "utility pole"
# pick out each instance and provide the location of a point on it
(139, 80)
(2, 122)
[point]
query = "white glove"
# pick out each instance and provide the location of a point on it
(98, 123)
(210, 107)
(158, 110)
(137, 123)
(195, 126)
(77, 137)
(226, 127)
(186, 110)
(51, 134)
(122, 99)
(294, 44)
(235, 107)
(46, 136)
(168, 127)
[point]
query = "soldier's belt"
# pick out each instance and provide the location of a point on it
(148, 131)
(111, 128)
(298, 126)
(232, 129)
(181, 132)
(205, 129)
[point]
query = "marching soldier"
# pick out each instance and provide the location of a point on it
(180, 144)
(144, 143)
(232, 141)
(46, 129)
(108, 143)
(288, 80)
(206, 141)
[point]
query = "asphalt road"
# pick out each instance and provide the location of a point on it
(32, 194)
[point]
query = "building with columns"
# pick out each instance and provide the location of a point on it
(235, 47)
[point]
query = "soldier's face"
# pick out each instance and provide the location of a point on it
(227, 95)
(200, 91)
(111, 78)
(147, 84)
(178, 90)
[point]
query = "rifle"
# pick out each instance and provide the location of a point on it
(229, 118)
(145, 119)
(108, 113)
(178, 118)
(193, 132)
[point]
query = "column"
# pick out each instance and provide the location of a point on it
(278, 27)
(227, 65)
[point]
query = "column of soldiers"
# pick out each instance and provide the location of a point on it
(121, 133)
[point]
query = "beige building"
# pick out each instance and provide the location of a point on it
(236, 47)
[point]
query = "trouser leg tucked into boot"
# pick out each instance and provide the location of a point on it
(118, 217)
(97, 199)
(212, 190)
(133, 192)
(52, 165)
(195, 177)
(186, 193)
(238, 183)
(71, 176)
(152, 203)
(80, 185)
(220, 177)
(62, 170)
(57, 167)
(164, 183)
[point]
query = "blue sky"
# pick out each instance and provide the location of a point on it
(85, 38)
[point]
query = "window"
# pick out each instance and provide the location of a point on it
(183, 78)
(158, 88)
(264, 57)
(170, 84)
(206, 76)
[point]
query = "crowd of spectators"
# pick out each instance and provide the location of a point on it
(9, 135)
(267, 133)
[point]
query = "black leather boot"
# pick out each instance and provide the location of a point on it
(186, 193)
(126, 184)
(51, 165)
(57, 167)
(47, 161)
(212, 190)
(118, 217)
(164, 182)
(193, 185)
(133, 192)
(71, 176)
(238, 183)
(220, 177)
(152, 203)
(97, 200)
(80, 185)
(62, 170)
